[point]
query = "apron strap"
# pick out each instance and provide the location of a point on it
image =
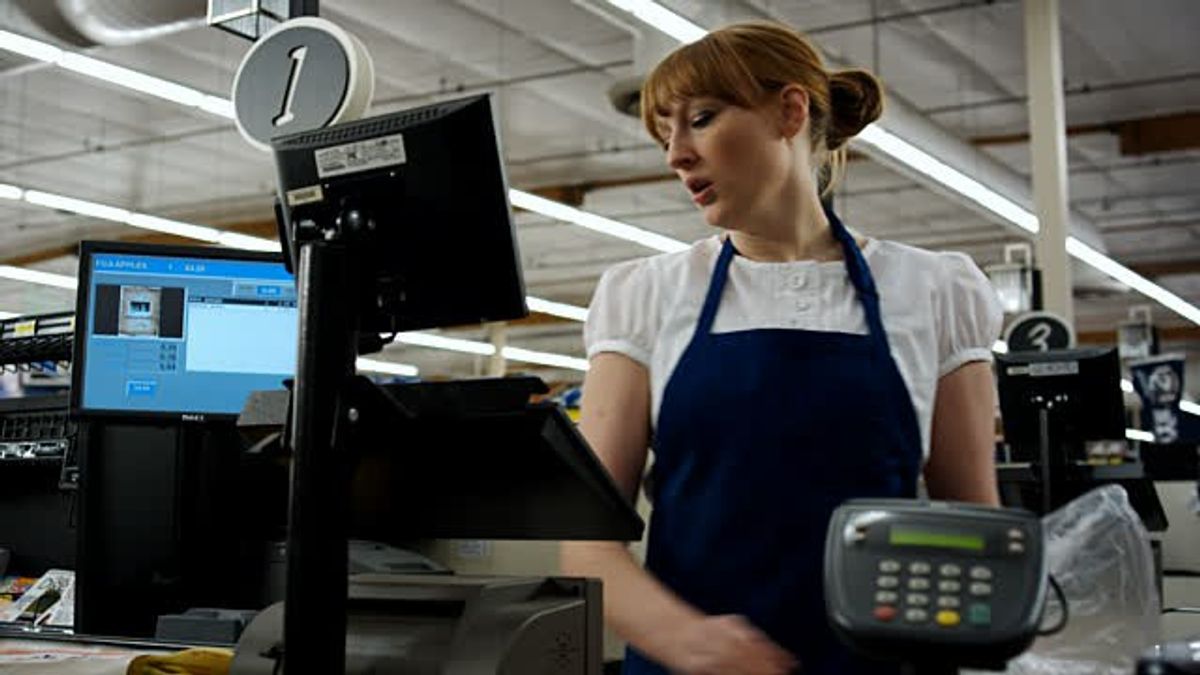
(856, 267)
(716, 286)
(860, 276)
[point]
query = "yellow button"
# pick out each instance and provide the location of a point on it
(948, 618)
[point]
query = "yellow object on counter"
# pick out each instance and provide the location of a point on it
(199, 661)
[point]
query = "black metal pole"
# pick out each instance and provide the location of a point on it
(1044, 457)
(314, 624)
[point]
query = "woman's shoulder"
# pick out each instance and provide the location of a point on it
(664, 268)
(900, 261)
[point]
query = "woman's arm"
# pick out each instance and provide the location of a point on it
(616, 423)
(962, 465)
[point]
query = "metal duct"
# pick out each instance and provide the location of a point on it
(87, 23)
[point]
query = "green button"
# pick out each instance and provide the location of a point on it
(979, 614)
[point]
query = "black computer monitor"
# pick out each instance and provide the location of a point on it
(421, 199)
(1080, 388)
(179, 332)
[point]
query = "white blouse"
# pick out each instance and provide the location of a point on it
(938, 309)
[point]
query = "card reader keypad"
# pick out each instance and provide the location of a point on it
(926, 592)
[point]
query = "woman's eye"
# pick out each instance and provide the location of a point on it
(702, 118)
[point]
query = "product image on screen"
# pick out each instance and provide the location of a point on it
(180, 331)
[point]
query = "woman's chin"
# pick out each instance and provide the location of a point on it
(714, 215)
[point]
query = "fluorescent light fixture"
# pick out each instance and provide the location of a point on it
(591, 221)
(79, 206)
(544, 358)
(36, 277)
(34, 49)
(221, 107)
(11, 191)
(237, 240)
(1000, 347)
(1139, 435)
(1189, 407)
(8, 315)
(386, 367)
(1126, 386)
(662, 18)
(114, 74)
(448, 343)
(131, 79)
(911, 156)
(175, 227)
(433, 341)
(1132, 279)
(561, 309)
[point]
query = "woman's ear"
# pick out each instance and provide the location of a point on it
(794, 107)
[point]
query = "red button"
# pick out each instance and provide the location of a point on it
(885, 613)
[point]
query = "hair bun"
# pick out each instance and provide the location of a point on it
(856, 100)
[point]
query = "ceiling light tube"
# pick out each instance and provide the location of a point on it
(908, 154)
(11, 192)
(147, 222)
(387, 367)
(79, 206)
(448, 343)
(544, 358)
(560, 309)
(131, 79)
(37, 277)
(28, 47)
(1132, 279)
(1189, 407)
(1139, 435)
(238, 240)
(662, 18)
(8, 315)
(114, 74)
(591, 221)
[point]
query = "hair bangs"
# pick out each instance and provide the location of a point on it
(706, 68)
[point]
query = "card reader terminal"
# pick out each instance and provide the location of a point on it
(905, 580)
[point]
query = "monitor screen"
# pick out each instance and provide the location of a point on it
(421, 197)
(180, 331)
(1082, 388)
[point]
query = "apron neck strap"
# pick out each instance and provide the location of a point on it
(856, 267)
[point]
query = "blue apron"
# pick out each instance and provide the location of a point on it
(761, 434)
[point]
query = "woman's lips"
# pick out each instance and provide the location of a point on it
(705, 196)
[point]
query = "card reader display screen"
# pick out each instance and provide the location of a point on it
(904, 535)
(172, 334)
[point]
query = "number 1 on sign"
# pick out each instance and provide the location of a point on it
(286, 115)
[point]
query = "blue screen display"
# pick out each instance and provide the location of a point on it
(185, 335)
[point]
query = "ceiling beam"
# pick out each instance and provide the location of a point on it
(1167, 268)
(1143, 136)
(1166, 334)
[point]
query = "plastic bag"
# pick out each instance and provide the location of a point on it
(1098, 550)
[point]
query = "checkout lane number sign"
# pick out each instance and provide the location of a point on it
(1039, 332)
(305, 74)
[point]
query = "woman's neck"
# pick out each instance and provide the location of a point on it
(798, 230)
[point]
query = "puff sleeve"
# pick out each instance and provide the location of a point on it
(968, 313)
(624, 314)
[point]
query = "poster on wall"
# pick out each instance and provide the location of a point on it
(1158, 381)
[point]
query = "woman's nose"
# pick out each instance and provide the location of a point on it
(680, 154)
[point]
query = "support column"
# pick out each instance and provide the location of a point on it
(1048, 151)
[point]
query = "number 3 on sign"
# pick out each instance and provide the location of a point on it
(286, 115)
(1039, 334)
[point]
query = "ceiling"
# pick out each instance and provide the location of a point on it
(1132, 110)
